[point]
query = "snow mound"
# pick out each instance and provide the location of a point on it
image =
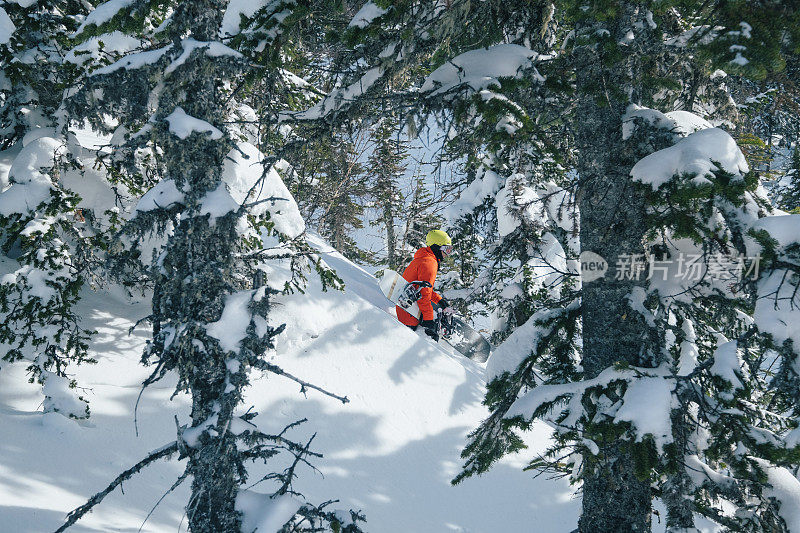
(212, 48)
(234, 12)
(261, 512)
(115, 42)
(480, 69)
(695, 156)
(646, 405)
(103, 13)
(680, 123)
(183, 125)
(728, 363)
(134, 61)
(60, 398)
(366, 15)
(776, 307)
(164, 194)
(246, 178)
(31, 185)
(783, 228)
(687, 123)
(785, 488)
(485, 185)
(778, 299)
(231, 327)
(7, 27)
(529, 402)
(522, 342)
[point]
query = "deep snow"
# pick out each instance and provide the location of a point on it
(390, 452)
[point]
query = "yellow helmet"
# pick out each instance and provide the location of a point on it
(439, 237)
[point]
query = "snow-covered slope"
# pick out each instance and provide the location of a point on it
(390, 452)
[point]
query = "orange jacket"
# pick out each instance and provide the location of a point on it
(423, 268)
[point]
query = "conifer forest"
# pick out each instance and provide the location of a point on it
(399, 266)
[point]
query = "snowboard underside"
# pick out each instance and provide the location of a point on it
(467, 341)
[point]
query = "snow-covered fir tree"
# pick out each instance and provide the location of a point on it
(45, 226)
(650, 396)
(216, 233)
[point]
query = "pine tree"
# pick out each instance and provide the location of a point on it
(218, 215)
(385, 168)
(44, 227)
(332, 190)
(419, 217)
(590, 353)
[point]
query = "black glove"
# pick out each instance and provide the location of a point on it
(431, 329)
(445, 307)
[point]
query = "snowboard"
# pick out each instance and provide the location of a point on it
(453, 329)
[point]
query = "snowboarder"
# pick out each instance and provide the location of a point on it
(424, 267)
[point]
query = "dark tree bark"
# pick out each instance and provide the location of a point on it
(612, 224)
(391, 239)
(197, 275)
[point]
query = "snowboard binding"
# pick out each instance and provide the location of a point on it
(412, 292)
(446, 324)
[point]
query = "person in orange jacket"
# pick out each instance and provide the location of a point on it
(424, 267)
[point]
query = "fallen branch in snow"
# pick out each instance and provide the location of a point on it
(77, 514)
(263, 365)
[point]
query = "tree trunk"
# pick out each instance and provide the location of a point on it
(612, 224)
(680, 509)
(214, 466)
(194, 287)
(391, 239)
(198, 274)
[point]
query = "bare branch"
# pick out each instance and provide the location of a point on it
(77, 514)
(173, 487)
(263, 365)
